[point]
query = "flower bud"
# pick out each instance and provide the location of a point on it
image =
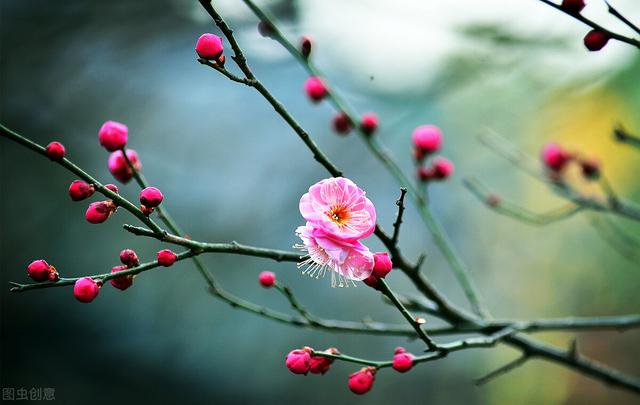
(86, 289)
(573, 6)
(315, 88)
(305, 47)
(342, 123)
(55, 151)
(166, 257)
(590, 168)
(40, 270)
(426, 173)
(151, 197)
(209, 46)
(361, 381)
(399, 350)
(381, 264)
(369, 123)
(267, 278)
(265, 29)
(554, 157)
(427, 138)
(321, 364)
(123, 282)
(372, 281)
(596, 40)
(113, 135)
(79, 190)
(112, 187)
(298, 361)
(442, 167)
(493, 200)
(402, 362)
(129, 258)
(119, 167)
(100, 211)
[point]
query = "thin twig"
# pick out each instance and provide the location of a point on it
(502, 370)
(398, 222)
(620, 17)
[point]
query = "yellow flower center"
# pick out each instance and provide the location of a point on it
(339, 215)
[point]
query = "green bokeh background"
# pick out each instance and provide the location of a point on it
(230, 169)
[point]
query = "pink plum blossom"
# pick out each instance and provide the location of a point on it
(346, 260)
(339, 208)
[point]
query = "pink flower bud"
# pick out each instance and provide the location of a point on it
(113, 135)
(342, 123)
(55, 151)
(372, 281)
(166, 258)
(112, 187)
(596, 40)
(305, 46)
(123, 282)
(267, 278)
(403, 361)
(315, 88)
(399, 350)
(381, 264)
(40, 270)
(554, 157)
(151, 197)
(427, 138)
(361, 381)
(573, 6)
(79, 190)
(369, 123)
(129, 258)
(100, 211)
(442, 167)
(209, 46)
(321, 364)
(118, 165)
(299, 361)
(590, 168)
(86, 290)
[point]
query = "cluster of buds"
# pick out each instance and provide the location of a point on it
(129, 260)
(209, 47)
(382, 266)
(150, 198)
(305, 360)
(556, 159)
(402, 360)
(40, 270)
(595, 39)
(427, 139)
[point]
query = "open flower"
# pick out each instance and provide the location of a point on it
(339, 208)
(347, 260)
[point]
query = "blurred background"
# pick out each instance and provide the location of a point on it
(230, 169)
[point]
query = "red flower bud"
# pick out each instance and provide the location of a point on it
(298, 361)
(573, 6)
(372, 281)
(381, 264)
(100, 211)
(265, 29)
(427, 138)
(113, 135)
(267, 278)
(40, 270)
(369, 123)
(361, 381)
(399, 350)
(112, 188)
(315, 88)
(79, 190)
(86, 290)
(305, 47)
(55, 151)
(209, 46)
(119, 167)
(442, 168)
(554, 157)
(342, 123)
(166, 257)
(403, 361)
(596, 40)
(151, 197)
(129, 258)
(123, 282)
(321, 364)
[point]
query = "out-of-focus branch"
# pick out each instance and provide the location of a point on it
(621, 135)
(620, 17)
(512, 365)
